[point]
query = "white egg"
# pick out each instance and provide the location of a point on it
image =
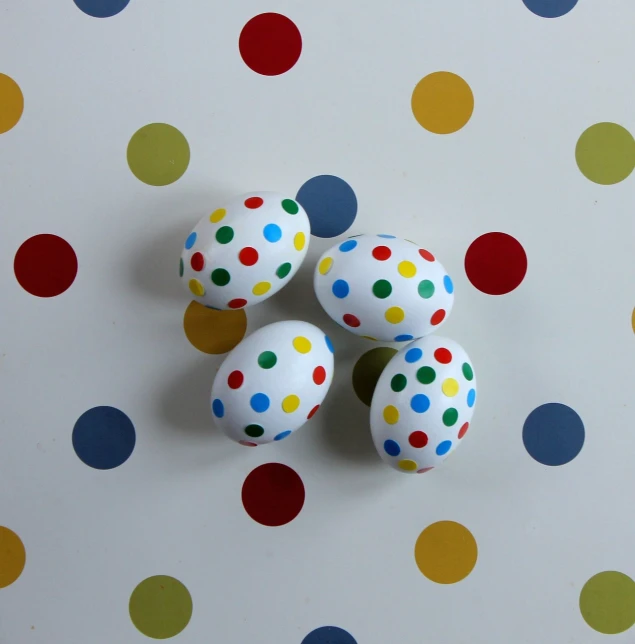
(423, 404)
(383, 288)
(272, 382)
(245, 252)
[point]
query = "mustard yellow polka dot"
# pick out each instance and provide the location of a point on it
(395, 315)
(299, 240)
(196, 287)
(407, 269)
(217, 215)
(325, 265)
(391, 414)
(301, 344)
(450, 387)
(261, 288)
(407, 465)
(369, 337)
(290, 404)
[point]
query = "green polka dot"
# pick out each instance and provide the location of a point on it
(220, 277)
(607, 602)
(382, 289)
(254, 431)
(224, 234)
(426, 289)
(398, 382)
(426, 375)
(267, 359)
(467, 371)
(367, 371)
(283, 270)
(450, 416)
(605, 153)
(181, 267)
(290, 206)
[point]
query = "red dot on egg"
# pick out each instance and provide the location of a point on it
(443, 356)
(253, 202)
(464, 429)
(235, 380)
(427, 255)
(381, 253)
(312, 412)
(424, 470)
(418, 439)
(319, 375)
(248, 256)
(351, 320)
(197, 262)
(437, 317)
(238, 303)
(248, 444)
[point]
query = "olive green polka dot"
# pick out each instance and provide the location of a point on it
(607, 602)
(398, 382)
(267, 359)
(382, 289)
(290, 206)
(254, 431)
(467, 371)
(220, 276)
(450, 416)
(224, 234)
(426, 375)
(367, 371)
(283, 270)
(181, 267)
(426, 289)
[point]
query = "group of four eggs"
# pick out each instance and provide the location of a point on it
(375, 286)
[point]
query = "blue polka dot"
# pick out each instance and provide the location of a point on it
(282, 435)
(103, 437)
(447, 282)
(550, 8)
(553, 434)
(403, 338)
(471, 397)
(420, 403)
(259, 403)
(272, 233)
(387, 236)
(414, 354)
(329, 344)
(340, 288)
(392, 448)
(443, 448)
(348, 245)
(190, 241)
(330, 204)
(101, 8)
(218, 408)
(329, 635)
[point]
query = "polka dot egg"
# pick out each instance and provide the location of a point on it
(423, 404)
(383, 288)
(272, 382)
(245, 252)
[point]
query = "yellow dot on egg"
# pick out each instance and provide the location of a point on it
(261, 288)
(325, 265)
(217, 215)
(391, 414)
(407, 269)
(407, 465)
(395, 315)
(196, 287)
(301, 344)
(299, 240)
(369, 337)
(450, 387)
(290, 404)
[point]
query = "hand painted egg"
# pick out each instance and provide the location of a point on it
(245, 252)
(272, 382)
(423, 404)
(383, 288)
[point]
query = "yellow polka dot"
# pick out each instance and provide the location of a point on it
(217, 215)
(407, 465)
(407, 269)
(212, 331)
(261, 288)
(395, 315)
(12, 557)
(391, 414)
(450, 387)
(196, 287)
(290, 403)
(369, 337)
(299, 240)
(301, 344)
(325, 265)
(11, 103)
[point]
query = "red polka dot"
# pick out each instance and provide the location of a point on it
(351, 320)
(382, 253)
(45, 265)
(248, 444)
(319, 375)
(418, 439)
(197, 261)
(254, 202)
(427, 255)
(238, 303)
(270, 44)
(235, 380)
(273, 494)
(496, 263)
(424, 470)
(437, 317)
(443, 356)
(464, 429)
(248, 256)
(312, 412)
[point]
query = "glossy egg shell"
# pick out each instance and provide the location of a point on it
(423, 404)
(246, 251)
(272, 382)
(383, 288)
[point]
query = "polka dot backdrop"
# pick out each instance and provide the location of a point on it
(498, 157)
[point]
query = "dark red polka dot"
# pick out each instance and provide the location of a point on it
(464, 429)
(351, 320)
(248, 444)
(273, 494)
(427, 255)
(424, 470)
(319, 375)
(443, 356)
(437, 317)
(418, 439)
(197, 261)
(495, 263)
(45, 265)
(253, 202)
(382, 253)
(235, 380)
(312, 412)
(248, 256)
(238, 303)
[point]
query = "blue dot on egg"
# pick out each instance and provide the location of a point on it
(259, 402)
(404, 337)
(392, 448)
(340, 289)
(218, 408)
(329, 344)
(387, 236)
(443, 448)
(282, 435)
(447, 282)
(420, 403)
(414, 354)
(348, 245)
(471, 397)
(272, 233)
(190, 241)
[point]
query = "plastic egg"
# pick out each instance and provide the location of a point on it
(246, 251)
(383, 288)
(272, 382)
(423, 404)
